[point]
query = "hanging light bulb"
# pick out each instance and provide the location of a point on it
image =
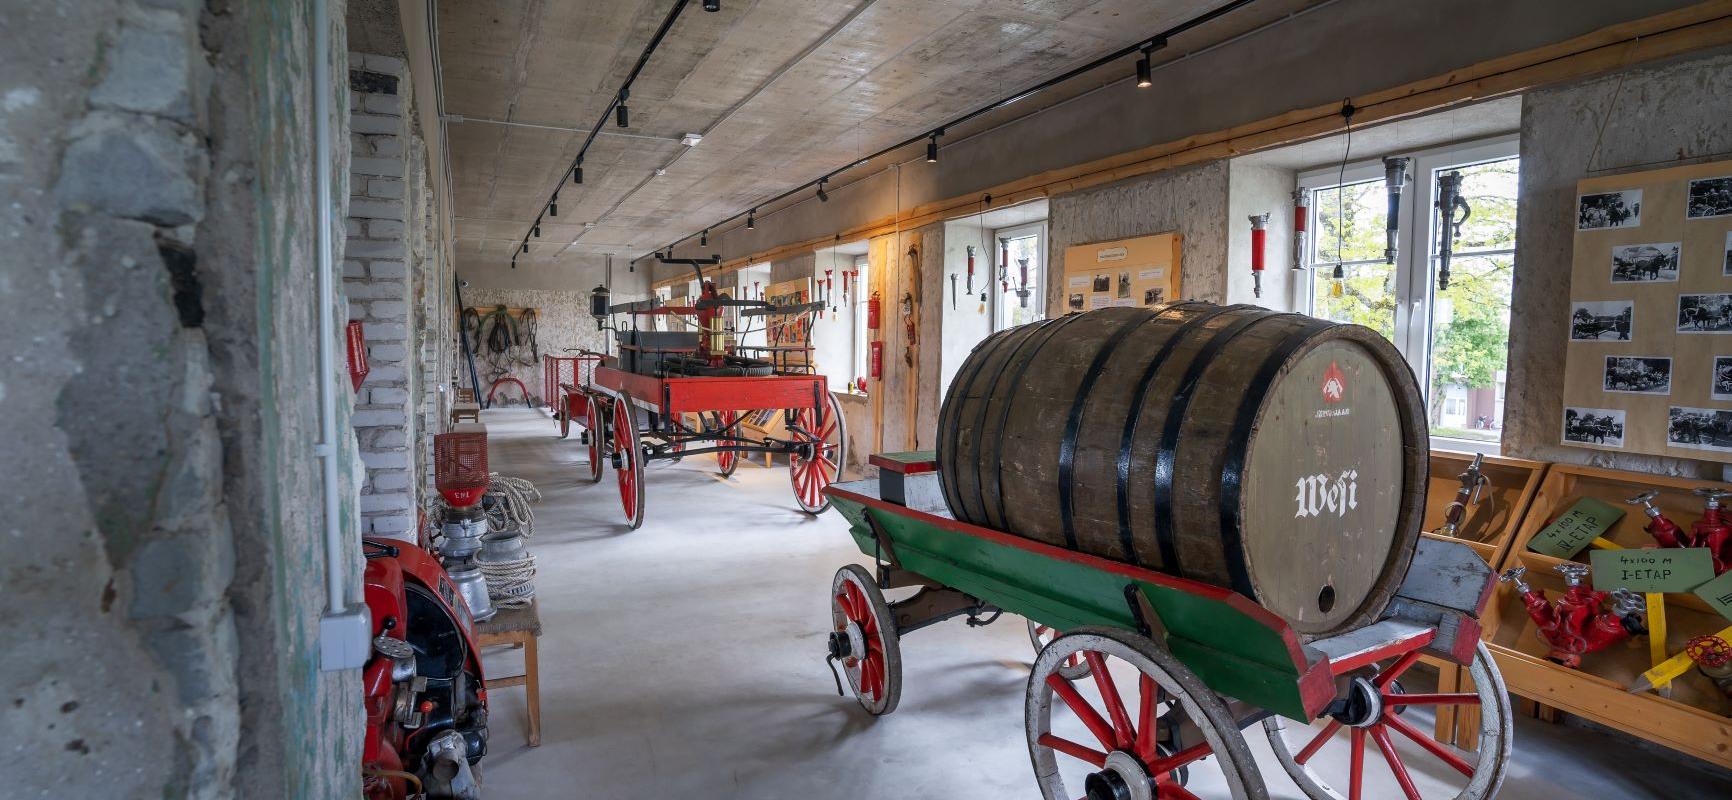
(1338, 281)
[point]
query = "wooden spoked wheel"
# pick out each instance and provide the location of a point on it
(594, 435)
(829, 451)
(563, 416)
(1073, 668)
(726, 461)
(630, 466)
(1377, 706)
(1139, 742)
(863, 638)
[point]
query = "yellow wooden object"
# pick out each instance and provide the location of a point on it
(1657, 632)
(1670, 669)
(1603, 544)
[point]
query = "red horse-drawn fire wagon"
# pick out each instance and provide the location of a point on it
(672, 394)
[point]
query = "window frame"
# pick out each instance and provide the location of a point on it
(1415, 268)
(1000, 300)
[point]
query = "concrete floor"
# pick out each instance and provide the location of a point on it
(686, 660)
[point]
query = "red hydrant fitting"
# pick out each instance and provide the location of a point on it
(1712, 530)
(1577, 626)
(1664, 531)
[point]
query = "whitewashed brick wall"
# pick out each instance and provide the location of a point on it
(376, 278)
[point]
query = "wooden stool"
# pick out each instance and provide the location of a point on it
(517, 627)
(462, 411)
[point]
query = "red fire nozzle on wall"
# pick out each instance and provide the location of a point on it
(1259, 232)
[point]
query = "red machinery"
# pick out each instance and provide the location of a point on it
(562, 382)
(1711, 531)
(425, 701)
(641, 405)
(1577, 626)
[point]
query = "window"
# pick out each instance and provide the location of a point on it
(839, 333)
(1457, 340)
(1027, 265)
(749, 283)
(862, 335)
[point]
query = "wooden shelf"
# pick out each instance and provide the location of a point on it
(1488, 528)
(1694, 719)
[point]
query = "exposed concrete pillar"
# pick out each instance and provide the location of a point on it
(376, 278)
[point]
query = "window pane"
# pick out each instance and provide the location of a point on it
(1470, 320)
(1011, 307)
(1366, 297)
(1353, 232)
(1470, 348)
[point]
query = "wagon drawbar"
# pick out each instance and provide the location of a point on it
(1156, 675)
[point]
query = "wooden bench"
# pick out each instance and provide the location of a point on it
(517, 627)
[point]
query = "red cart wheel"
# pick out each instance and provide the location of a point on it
(594, 436)
(726, 461)
(563, 416)
(1376, 705)
(1074, 668)
(829, 444)
(1108, 752)
(863, 638)
(630, 467)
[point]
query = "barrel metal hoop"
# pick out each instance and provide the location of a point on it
(1004, 413)
(1073, 423)
(1135, 416)
(1170, 437)
(948, 480)
(1232, 469)
(991, 389)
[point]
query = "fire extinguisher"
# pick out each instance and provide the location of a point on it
(872, 308)
(875, 360)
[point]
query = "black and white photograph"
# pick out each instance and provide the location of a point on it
(1710, 197)
(1076, 301)
(1726, 268)
(1154, 297)
(1705, 313)
(1721, 382)
(1596, 426)
(1646, 263)
(1638, 375)
(1124, 284)
(1602, 320)
(1699, 428)
(1609, 210)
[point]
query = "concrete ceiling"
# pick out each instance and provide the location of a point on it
(781, 90)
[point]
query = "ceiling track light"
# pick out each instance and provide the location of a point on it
(823, 197)
(1144, 76)
(536, 230)
(553, 205)
(525, 249)
(752, 220)
(712, 6)
(704, 240)
(577, 173)
(620, 115)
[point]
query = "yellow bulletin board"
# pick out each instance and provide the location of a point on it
(1143, 271)
(1649, 367)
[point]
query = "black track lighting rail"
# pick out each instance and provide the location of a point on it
(618, 102)
(1143, 46)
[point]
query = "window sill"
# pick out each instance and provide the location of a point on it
(1455, 445)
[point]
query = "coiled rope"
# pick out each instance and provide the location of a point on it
(510, 507)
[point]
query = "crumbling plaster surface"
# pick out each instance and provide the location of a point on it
(1654, 117)
(1191, 201)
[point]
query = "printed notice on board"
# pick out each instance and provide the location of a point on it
(1099, 301)
(1152, 274)
(1112, 254)
(1652, 569)
(1079, 281)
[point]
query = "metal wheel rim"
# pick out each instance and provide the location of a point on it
(1488, 768)
(810, 476)
(595, 429)
(630, 472)
(1159, 669)
(1039, 635)
(855, 598)
(564, 416)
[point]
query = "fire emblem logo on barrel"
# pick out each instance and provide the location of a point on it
(1334, 383)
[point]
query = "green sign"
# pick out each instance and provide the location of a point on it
(1652, 569)
(1717, 594)
(1587, 520)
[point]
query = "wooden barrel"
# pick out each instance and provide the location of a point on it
(1278, 455)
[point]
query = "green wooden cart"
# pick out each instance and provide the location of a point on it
(1179, 668)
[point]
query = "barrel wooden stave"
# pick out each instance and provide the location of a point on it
(1002, 450)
